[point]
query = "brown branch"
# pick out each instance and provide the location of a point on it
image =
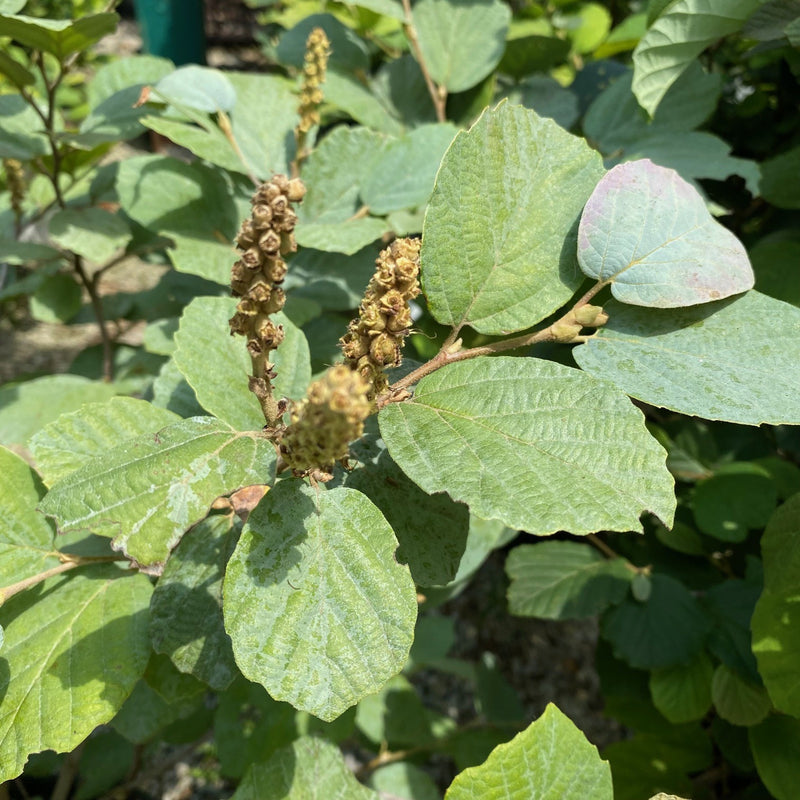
(68, 562)
(67, 773)
(449, 354)
(438, 93)
(390, 757)
(225, 125)
(97, 304)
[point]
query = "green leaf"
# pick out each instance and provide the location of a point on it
(677, 37)
(586, 27)
(461, 42)
(27, 407)
(326, 215)
(667, 630)
(353, 97)
(332, 280)
(389, 8)
(776, 263)
(738, 498)
(318, 609)
(496, 699)
(11, 6)
(777, 186)
(433, 639)
(623, 37)
(404, 781)
(26, 537)
(616, 122)
(266, 149)
(498, 240)
(431, 529)
(217, 365)
(531, 443)
(106, 759)
(731, 605)
(650, 763)
(116, 118)
(308, 769)
(346, 237)
(190, 203)
(737, 700)
(403, 175)
(159, 336)
(204, 139)
(775, 743)
(93, 233)
(548, 98)
(57, 299)
(19, 75)
(20, 128)
(770, 20)
(146, 714)
(537, 52)
(550, 760)
(270, 725)
(201, 88)
(134, 71)
(695, 155)
(73, 653)
(683, 693)
(400, 86)
(61, 37)
(171, 391)
(717, 361)
(648, 233)
(394, 715)
(186, 607)
(146, 492)
(563, 580)
(775, 624)
(68, 442)
(13, 252)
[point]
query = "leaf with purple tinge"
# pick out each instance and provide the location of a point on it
(648, 233)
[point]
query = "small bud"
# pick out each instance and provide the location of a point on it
(587, 316)
(565, 331)
(295, 190)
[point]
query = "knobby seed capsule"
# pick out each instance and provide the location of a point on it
(374, 341)
(314, 68)
(324, 423)
(256, 279)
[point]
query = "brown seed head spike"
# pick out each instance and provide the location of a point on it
(329, 418)
(374, 340)
(314, 67)
(256, 276)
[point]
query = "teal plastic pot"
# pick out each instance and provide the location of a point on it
(173, 29)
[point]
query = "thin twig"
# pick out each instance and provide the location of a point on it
(438, 93)
(97, 304)
(118, 259)
(66, 776)
(447, 354)
(225, 125)
(390, 757)
(594, 539)
(68, 562)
